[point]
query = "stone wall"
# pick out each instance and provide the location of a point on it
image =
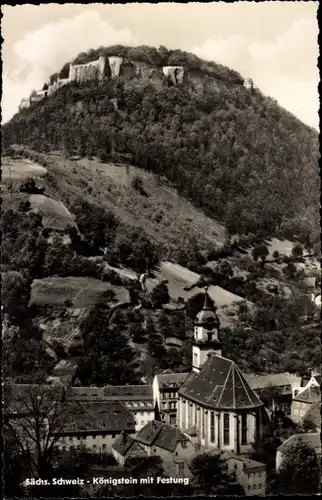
(89, 71)
(115, 65)
(174, 73)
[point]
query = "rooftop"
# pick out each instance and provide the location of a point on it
(311, 438)
(168, 380)
(207, 316)
(258, 382)
(314, 414)
(311, 394)
(107, 416)
(248, 462)
(159, 434)
(142, 392)
(219, 384)
(111, 392)
(123, 443)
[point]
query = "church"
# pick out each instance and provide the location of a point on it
(216, 405)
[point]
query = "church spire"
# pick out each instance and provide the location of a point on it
(206, 334)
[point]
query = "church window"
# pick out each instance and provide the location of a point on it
(226, 428)
(244, 429)
(212, 427)
(195, 359)
(203, 424)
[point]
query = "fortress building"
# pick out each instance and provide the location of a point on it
(122, 67)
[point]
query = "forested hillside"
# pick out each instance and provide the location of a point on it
(237, 155)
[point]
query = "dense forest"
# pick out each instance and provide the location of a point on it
(237, 155)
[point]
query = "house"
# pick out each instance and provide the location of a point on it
(136, 398)
(168, 442)
(275, 390)
(303, 400)
(313, 439)
(94, 425)
(165, 394)
(250, 474)
(125, 447)
(215, 397)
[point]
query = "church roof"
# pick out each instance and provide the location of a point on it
(207, 314)
(219, 385)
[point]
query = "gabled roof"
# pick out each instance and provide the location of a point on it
(168, 380)
(161, 435)
(318, 378)
(311, 438)
(128, 392)
(85, 393)
(219, 385)
(107, 416)
(309, 395)
(258, 382)
(123, 443)
(248, 463)
(111, 392)
(314, 414)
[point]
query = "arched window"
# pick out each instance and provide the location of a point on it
(244, 428)
(226, 428)
(212, 427)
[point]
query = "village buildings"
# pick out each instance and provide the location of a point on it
(158, 439)
(313, 439)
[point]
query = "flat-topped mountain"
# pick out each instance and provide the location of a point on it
(233, 152)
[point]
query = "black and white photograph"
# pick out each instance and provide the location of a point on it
(161, 249)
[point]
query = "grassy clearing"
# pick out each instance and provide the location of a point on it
(81, 292)
(179, 277)
(165, 216)
(21, 169)
(54, 213)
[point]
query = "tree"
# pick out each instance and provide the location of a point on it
(260, 252)
(300, 471)
(15, 295)
(34, 418)
(160, 295)
(137, 184)
(276, 254)
(107, 356)
(211, 476)
(297, 251)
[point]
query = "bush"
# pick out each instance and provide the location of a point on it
(160, 295)
(137, 184)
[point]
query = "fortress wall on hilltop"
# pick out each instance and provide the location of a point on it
(174, 73)
(87, 71)
(114, 67)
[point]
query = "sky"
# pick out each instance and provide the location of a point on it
(274, 43)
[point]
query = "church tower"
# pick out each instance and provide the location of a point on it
(206, 335)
